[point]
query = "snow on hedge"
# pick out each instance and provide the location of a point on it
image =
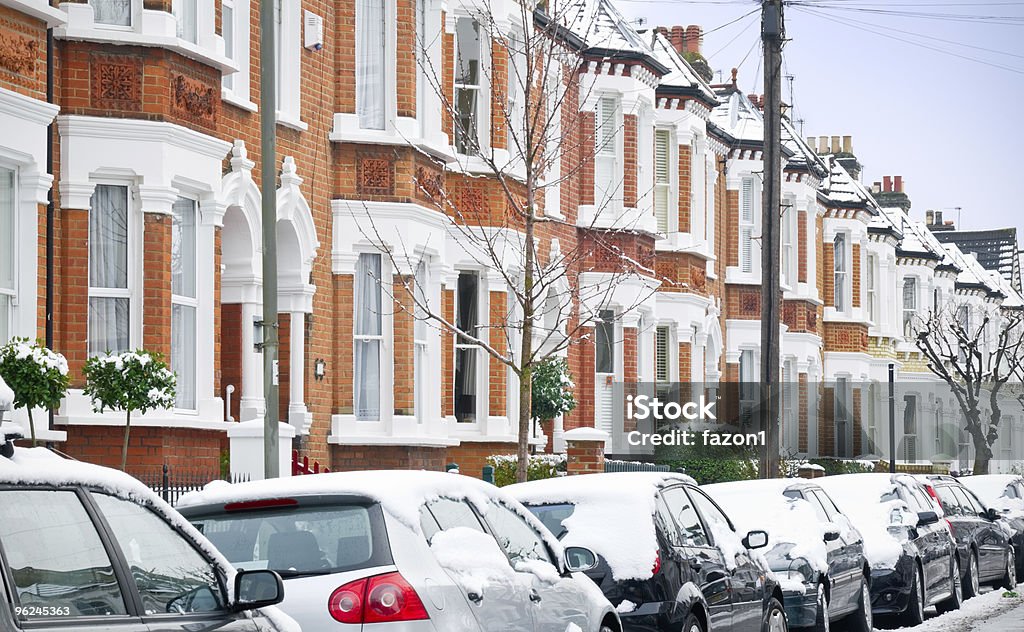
(869, 501)
(613, 515)
(760, 504)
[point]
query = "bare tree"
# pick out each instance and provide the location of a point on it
(549, 144)
(976, 360)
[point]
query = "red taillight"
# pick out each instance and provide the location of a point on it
(931, 492)
(265, 503)
(952, 531)
(657, 565)
(379, 599)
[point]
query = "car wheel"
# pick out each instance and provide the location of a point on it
(957, 598)
(972, 583)
(821, 622)
(1010, 578)
(692, 624)
(914, 614)
(862, 619)
(774, 617)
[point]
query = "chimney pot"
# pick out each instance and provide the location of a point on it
(848, 144)
(823, 144)
(898, 184)
(735, 71)
(949, 222)
(938, 218)
(876, 187)
(677, 38)
(929, 217)
(813, 145)
(692, 39)
(835, 145)
(887, 184)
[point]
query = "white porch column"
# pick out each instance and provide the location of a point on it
(298, 415)
(252, 405)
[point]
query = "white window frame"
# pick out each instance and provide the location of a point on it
(911, 403)
(133, 18)
(908, 312)
(871, 289)
(358, 338)
(663, 364)
(665, 149)
(423, 61)
(480, 367)
(841, 290)
(288, 60)
(480, 127)
(191, 302)
(235, 87)
(748, 213)
(608, 151)
(516, 124)
(788, 244)
(385, 55)
(130, 292)
(182, 10)
(13, 249)
(842, 416)
(421, 342)
(749, 374)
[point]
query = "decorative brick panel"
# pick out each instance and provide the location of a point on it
(376, 175)
(116, 82)
(194, 100)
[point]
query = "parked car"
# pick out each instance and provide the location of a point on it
(404, 551)
(84, 547)
(814, 550)
(668, 557)
(1005, 494)
(982, 537)
(908, 546)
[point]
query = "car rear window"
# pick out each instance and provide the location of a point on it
(552, 516)
(950, 504)
(304, 539)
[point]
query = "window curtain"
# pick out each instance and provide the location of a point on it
(367, 338)
(185, 15)
(370, 62)
(113, 12)
(183, 248)
(7, 283)
(108, 269)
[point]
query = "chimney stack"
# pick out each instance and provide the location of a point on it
(678, 37)
(692, 39)
(848, 144)
(898, 184)
(887, 184)
(892, 195)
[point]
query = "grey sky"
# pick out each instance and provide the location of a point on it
(951, 127)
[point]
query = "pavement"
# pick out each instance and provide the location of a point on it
(1010, 621)
(990, 612)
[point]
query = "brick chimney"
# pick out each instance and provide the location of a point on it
(893, 195)
(677, 37)
(692, 39)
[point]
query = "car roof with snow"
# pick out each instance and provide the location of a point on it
(990, 487)
(39, 466)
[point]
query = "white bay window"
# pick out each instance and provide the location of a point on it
(184, 300)
(109, 274)
(368, 337)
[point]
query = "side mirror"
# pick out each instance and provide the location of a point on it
(755, 539)
(926, 518)
(831, 532)
(256, 589)
(990, 514)
(579, 559)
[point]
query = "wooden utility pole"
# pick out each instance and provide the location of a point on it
(772, 35)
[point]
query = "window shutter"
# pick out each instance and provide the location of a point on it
(747, 225)
(662, 178)
(747, 201)
(661, 369)
(606, 126)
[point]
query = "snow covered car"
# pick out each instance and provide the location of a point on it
(1005, 494)
(403, 551)
(84, 547)
(669, 558)
(814, 550)
(982, 537)
(908, 546)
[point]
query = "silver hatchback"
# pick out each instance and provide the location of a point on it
(404, 551)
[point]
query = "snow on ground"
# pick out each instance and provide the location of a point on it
(972, 615)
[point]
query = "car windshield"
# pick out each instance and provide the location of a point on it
(304, 540)
(552, 516)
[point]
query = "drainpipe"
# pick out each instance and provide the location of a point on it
(49, 198)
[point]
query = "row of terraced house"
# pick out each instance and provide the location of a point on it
(156, 229)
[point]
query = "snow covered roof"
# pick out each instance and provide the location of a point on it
(971, 274)
(6, 395)
(803, 155)
(1013, 299)
(888, 219)
(843, 189)
(681, 74)
(600, 25)
(738, 117)
(612, 515)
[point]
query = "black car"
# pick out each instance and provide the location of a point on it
(983, 543)
(814, 549)
(908, 546)
(669, 557)
(1005, 494)
(87, 548)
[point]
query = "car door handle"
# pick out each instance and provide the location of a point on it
(475, 597)
(534, 596)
